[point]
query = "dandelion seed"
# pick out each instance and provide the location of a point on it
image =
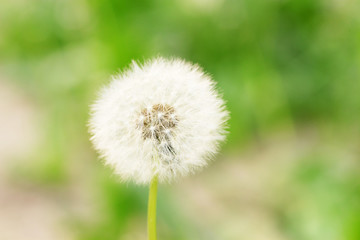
(163, 118)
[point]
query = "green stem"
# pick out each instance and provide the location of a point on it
(152, 209)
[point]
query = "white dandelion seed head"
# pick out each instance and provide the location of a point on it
(161, 118)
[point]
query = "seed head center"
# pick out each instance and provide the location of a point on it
(157, 122)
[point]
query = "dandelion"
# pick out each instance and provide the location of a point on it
(156, 122)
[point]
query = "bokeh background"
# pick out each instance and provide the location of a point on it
(289, 70)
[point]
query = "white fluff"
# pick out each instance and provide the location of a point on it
(162, 118)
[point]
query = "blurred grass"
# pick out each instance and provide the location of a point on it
(283, 66)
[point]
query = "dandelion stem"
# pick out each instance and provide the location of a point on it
(152, 208)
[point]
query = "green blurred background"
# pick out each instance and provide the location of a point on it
(289, 70)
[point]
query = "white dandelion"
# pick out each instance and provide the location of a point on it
(163, 118)
(156, 122)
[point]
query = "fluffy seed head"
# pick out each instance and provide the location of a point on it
(163, 118)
